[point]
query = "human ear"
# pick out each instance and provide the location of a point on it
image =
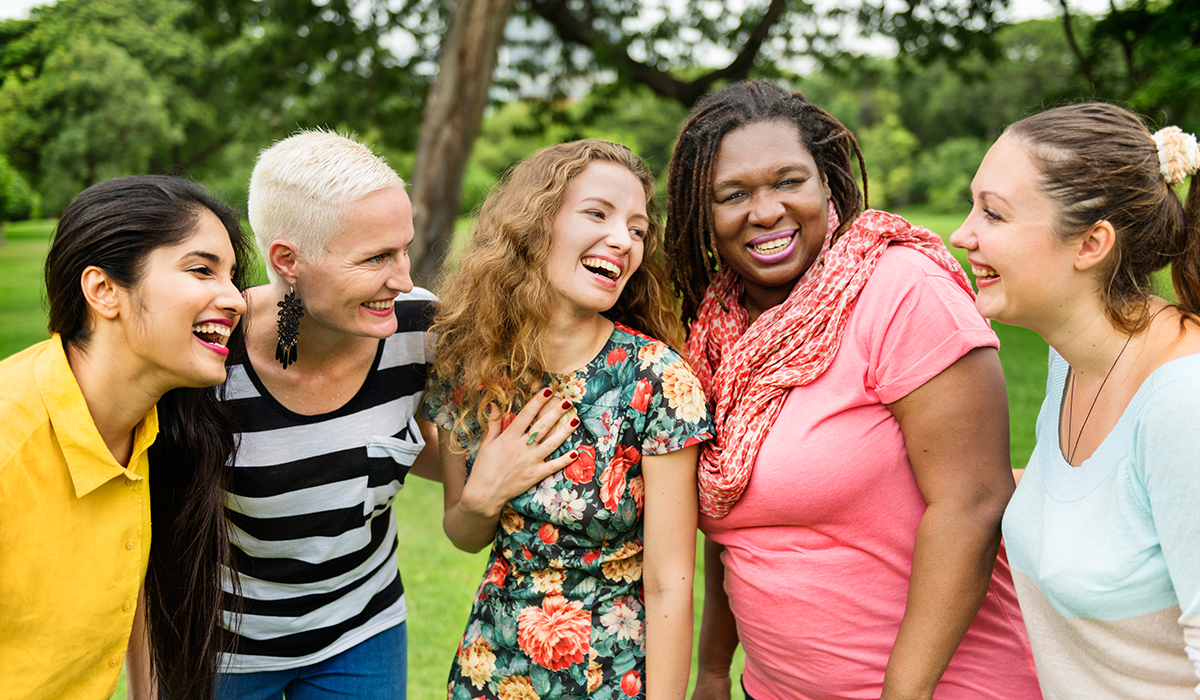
(1095, 245)
(283, 258)
(101, 292)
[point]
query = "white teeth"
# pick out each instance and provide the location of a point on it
(603, 265)
(380, 305)
(984, 272)
(212, 329)
(772, 246)
(215, 333)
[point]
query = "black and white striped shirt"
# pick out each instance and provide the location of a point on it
(311, 507)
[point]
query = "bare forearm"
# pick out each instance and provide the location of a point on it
(952, 569)
(469, 530)
(718, 630)
(669, 617)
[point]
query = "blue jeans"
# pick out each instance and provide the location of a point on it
(374, 669)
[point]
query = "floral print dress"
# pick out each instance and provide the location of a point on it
(559, 613)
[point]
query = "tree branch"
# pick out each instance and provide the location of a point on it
(1085, 66)
(574, 30)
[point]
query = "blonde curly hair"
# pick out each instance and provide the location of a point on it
(496, 304)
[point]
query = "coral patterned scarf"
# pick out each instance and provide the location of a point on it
(747, 370)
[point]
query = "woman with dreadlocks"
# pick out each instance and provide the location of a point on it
(852, 497)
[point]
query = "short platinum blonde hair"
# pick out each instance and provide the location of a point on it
(300, 186)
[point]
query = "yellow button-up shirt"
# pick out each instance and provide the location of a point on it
(74, 534)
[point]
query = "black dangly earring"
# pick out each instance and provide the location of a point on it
(290, 313)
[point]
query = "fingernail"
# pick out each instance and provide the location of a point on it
(573, 455)
(566, 405)
(574, 422)
(546, 393)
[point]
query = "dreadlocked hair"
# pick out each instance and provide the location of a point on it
(690, 236)
(496, 305)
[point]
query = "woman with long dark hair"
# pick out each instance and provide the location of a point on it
(143, 281)
(1074, 211)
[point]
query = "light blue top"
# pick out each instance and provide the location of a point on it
(1108, 553)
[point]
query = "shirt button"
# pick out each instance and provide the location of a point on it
(127, 606)
(130, 545)
(115, 660)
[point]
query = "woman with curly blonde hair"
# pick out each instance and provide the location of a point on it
(588, 493)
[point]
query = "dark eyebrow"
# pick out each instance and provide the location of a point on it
(734, 182)
(211, 257)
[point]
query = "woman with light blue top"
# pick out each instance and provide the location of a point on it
(1073, 211)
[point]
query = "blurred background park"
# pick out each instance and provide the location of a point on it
(452, 93)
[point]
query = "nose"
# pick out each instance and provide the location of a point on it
(400, 279)
(765, 209)
(619, 238)
(231, 299)
(962, 237)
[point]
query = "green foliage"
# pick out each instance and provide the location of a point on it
(891, 149)
(944, 173)
(17, 200)
(1148, 53)
(98, 88)
(633, 116)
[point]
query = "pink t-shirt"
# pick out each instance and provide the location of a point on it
(819, 548)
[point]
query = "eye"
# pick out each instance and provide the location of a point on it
(638, 233)
(201, 270)
(991, 215)
(731, 197)
(595, 213)
(382, 257)
(791, 182)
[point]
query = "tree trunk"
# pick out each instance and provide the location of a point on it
(453, 114)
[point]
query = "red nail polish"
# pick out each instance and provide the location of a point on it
(574, 422)
(573, 455)
(546, 393)
(566, 405)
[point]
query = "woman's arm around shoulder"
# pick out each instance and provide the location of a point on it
(955, 429)
(427, 465)
(669, 561)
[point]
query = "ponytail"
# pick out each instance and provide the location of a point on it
(1185, 269)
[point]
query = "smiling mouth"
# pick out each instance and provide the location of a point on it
(603, 268)
(772, 246)
(380, 305)
(212, 333)
(983, 272)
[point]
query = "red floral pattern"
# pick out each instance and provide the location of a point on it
(571, 546)
(641, 396)
(555, 635)
(584, 467)
(631, 684)
(613, 478)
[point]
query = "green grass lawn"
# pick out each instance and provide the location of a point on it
(439, 580)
